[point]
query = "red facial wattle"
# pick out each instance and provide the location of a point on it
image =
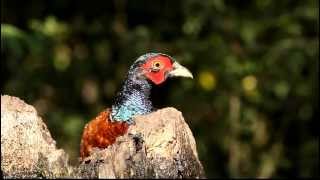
(157, 77)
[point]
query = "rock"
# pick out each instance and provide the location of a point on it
(27, 148)
(159, 145)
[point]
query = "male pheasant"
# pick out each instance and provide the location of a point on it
(133, 99)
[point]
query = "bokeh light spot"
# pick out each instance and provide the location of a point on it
(281, 89)
(207, 80)
(249, 83)
(62, 57)
(90, 92)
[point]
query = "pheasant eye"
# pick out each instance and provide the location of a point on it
(156, 66)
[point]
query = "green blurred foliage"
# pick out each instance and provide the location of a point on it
(252, 105)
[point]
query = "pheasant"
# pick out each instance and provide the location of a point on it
(133, 99)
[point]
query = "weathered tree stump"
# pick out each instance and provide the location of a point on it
(159, 145)
(27, 148)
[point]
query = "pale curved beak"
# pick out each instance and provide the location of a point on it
(180, 71)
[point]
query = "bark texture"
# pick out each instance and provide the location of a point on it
(159, 145)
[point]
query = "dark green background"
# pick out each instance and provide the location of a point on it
(251, 107)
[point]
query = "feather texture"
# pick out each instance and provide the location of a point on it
(100, 132)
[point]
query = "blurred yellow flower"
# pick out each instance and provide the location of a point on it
(207, 80)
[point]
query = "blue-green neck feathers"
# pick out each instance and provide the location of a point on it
(133, 99)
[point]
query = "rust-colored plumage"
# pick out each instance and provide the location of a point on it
(100, 132)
